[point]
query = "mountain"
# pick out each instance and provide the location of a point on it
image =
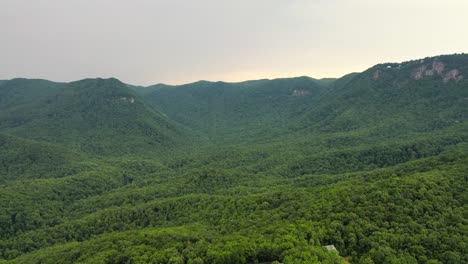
(415, 96)
(372, 164)
(236, 112)
(91, 115)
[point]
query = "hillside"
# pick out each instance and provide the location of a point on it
(24, 159)
(265, 171)
(236, 112)
(415, 96)
(385, 100)
(93, 115)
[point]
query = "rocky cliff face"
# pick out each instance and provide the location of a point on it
(442, 67)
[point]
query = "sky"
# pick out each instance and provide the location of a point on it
(145, 42)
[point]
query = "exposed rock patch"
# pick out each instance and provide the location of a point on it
(127, 99)
(376, 74)
(418, 73)
(429, 72)
(298, 92)
(453, 75)
(438, 67)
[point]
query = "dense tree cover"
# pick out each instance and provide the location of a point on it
(376, 167)
(393, 102)
(413, 211)
(236, 112)
(93, 115)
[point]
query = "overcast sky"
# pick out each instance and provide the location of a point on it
(151, 41)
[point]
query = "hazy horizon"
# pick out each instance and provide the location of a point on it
(173, 42)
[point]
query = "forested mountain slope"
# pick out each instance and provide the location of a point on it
(415, 96)
(389, 99)
(374, 163)
(237, 112)
(24, 159)
(92, 115)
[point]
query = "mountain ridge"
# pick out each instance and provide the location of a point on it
(104, 105)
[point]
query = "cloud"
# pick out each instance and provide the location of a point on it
(145, 42)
